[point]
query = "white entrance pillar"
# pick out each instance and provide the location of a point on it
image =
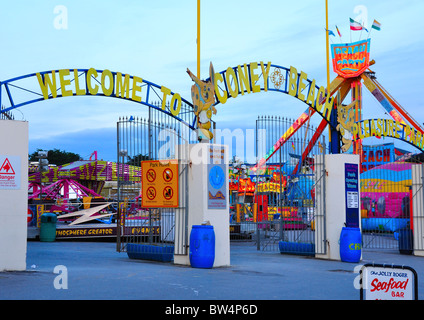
(208, 174)
(338, 211)
(13, 194)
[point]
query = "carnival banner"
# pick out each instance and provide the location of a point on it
(351, 59)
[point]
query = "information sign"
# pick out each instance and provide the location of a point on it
(159, 184)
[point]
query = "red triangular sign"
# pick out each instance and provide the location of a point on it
(6, 168)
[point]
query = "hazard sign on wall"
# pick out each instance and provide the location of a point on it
(159, 184)
(10, 172)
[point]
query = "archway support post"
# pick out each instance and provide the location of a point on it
(208, 200)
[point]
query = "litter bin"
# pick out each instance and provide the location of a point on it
(48, 227)
(405, 241)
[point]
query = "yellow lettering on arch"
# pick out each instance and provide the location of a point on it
(265, 73)
(93, 90)
(302, 86)
(175, 111)
(311, 95)
(165, 92)
(228, 73)
(107, 74)
(254, 77)
(47, 84)
(78, 90)
(243, 78)
(293, 81)
(65, 82)
(222, 98)
(137, 81)
(122, 87)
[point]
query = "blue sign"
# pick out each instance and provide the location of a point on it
(352, 195)
(217, 178)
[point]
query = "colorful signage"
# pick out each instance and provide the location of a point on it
(70, 82)
(351, 59)
(93, 171)
(387, 128)
(217, 178)
(374, 156)
(388, 282)
(159, 184)
(352, 195)
(10, 172)
(103, 231)
(249, 78)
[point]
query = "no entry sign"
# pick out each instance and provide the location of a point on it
(388, 282)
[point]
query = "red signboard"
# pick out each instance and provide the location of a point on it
(351, 59)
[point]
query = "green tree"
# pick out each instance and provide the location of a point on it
(136, 160)
(56, 156)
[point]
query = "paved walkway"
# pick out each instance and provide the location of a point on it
(96, 271)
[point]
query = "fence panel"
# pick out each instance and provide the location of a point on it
(152, 231)
(279, 215)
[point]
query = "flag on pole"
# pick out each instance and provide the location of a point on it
(293, 146)
(356, 26)
(340, 35)
(331, 33)
(376, 25)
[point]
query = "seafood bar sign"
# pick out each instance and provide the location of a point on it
(388, 282)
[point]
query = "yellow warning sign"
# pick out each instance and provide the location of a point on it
(159, 184)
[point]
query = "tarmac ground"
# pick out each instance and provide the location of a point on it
(96, 271)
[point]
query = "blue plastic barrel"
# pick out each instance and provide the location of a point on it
(350, 244)
(202, 246)
(406, 241)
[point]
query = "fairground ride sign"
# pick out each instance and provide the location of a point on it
(387, 128)
(351, 59)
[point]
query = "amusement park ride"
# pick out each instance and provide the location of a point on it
(351, 62)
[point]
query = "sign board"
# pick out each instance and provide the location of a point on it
(374, 156)
(217, 178)
(351, 59)
(10, 172)
(388, 282)
(352, 195)
(159, 184)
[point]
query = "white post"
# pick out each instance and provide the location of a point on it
(335, 202)
(203, 159)
(13, 194)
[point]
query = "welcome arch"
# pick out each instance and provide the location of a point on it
(255, 77)
(35, 87)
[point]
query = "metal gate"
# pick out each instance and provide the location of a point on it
(417, 191)
(144, 139)
(280, 215)
(386, 197)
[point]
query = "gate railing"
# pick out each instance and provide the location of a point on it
(418, 208)
(154, 139)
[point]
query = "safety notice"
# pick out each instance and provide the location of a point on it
(159, 184)
(10, 172)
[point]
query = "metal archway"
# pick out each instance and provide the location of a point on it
(35, 87)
